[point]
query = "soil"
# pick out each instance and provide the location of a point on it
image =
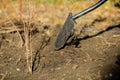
(93, 59)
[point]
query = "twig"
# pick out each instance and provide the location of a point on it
(9, 30)
(18, 60)
(22, 42)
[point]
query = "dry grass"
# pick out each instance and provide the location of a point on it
(9, 25)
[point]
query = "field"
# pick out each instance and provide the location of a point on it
(28, 31)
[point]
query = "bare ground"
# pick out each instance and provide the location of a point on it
(93, 59)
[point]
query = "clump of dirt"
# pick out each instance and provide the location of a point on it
(93, 59)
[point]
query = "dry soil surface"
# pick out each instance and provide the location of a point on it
(93, 59)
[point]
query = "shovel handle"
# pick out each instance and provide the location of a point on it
(88, 9)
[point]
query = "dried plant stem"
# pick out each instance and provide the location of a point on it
(28, 48)
(12, 30)
(28, 39)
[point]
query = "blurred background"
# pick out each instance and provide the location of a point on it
(25, 8)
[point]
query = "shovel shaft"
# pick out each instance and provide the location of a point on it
(88, 9)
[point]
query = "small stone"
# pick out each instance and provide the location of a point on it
(18, 69)
(110, 74)
(75, 67)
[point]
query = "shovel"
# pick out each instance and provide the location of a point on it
(67, 29)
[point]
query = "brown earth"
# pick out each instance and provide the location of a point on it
(93, 59)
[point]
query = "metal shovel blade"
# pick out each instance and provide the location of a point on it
(65, 33)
